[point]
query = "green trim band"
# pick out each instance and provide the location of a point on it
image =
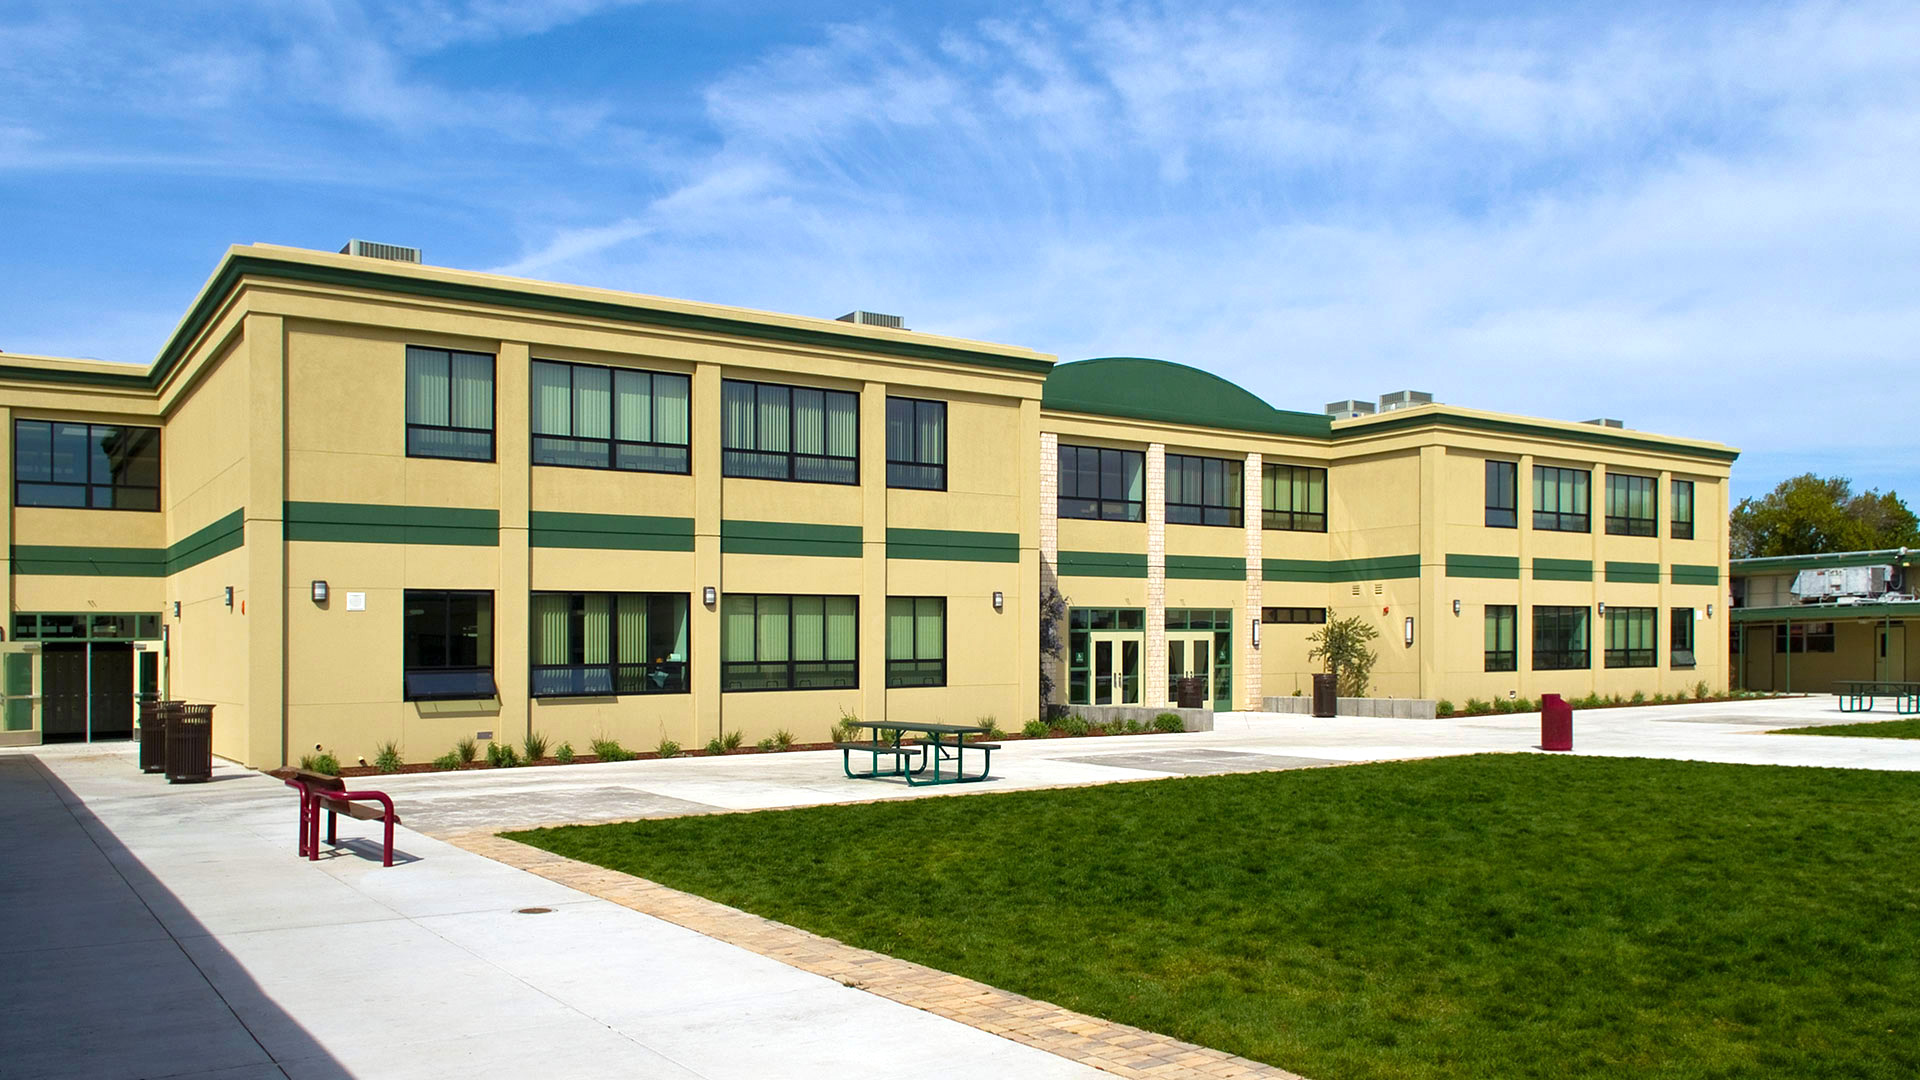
(1769, 564)
(1599, 436)
(51, 559)
(227, 534)
(790, 538)
(1562, 570)
(1206, 568)
(1633, 573)
(1116, 564)
(953, 545)
(370, 523)
(1504, 567)
(1834, 613)
(609, 532)
(1687, 574)
(1383, 568)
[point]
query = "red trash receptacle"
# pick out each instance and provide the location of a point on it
(1556, 723)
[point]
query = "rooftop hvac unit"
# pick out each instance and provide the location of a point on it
(1404, 399)
(1347, 410)
(1604, 421)
(1836, 582)
(390, 252)
(871, 318)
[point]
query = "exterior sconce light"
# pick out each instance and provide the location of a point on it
(1409, 631)
(1709, 610)
(229, 598)
(176, 609)
(999, 601)
(1456, 607)
(710, 596)
(1256, 630)
(1603, 607)
(319, 591)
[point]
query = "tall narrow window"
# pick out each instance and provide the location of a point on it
(601, 644)
(1682, 499)
(1293, 498)
(447, 651)
(592, 417)
(1560, 499)
(916, 444)
(916, 641)
(1680, 638)
(1502, 620)
(1502, 504)
(789, 642)
(1631, 637)
(86, 466)
(771, 432)
(1105, 485)
(449, 404)
(1560, 639)
(1204, 491)
(1631, 509)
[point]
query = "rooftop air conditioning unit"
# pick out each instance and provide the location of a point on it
(1604, 421)
(390, 252)
(1840, 582)
(872, 318)
(1347, 410)
(1404, 399)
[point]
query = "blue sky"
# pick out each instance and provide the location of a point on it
(1699, 218)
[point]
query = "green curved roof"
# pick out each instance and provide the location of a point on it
(1138, 388)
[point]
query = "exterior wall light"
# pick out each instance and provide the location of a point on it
(1256, 630)
(1709, 611)
(1603, 607)
(710, 595)
(1409, 631)
(999, 601)
(319, 591)
(176, 609)
(1456, 607)
(229, 597)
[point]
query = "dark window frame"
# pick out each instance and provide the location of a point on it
(1293, 616)
(1803, 638)
(1134, 510)
(792, 458)
(828, 668)
(618, 676)
(1627, 656)
(901, 670)
(613, 441)
(1231, 515)
(1558, 519)
(901, 471)
(1503, 659)
(482, 684)
(90, 487)
(1503, 516)
(1559, 618)
(1626, 524)
(1678, 528)
(493, 415)
(1292, 520)
(1680, 646)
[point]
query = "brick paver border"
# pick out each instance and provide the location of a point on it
(1115, 1048)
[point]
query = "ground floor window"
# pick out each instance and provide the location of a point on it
(1680, 638)
(1803, 638)
(597, 644)
(448, 647)
(1283, 615)
(1560, 639)
(1632, 637)
(1501, 652)
(916, 641)
(789, 642)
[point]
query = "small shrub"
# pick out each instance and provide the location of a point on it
(322, 762)
(765, 745)
(667, 748)
(564, 753)
(502, 755)
(535, 744)
(1035, 729)
(387, 759)
(1502, 705)
(1134, 726)
(1075, 724)
(1169, 723)
(847, 728)
(1592, 701)
(1524, 705)
(994, 730)
(448, 760)
(610, 750)
(1639, 697)
(465, 750)
(1700, 690)
(1443, 708)
(716, 746)
(731, 740)
(1617, 699)
(783, 739)
(1475, 706)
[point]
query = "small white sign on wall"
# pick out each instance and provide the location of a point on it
(356, 601)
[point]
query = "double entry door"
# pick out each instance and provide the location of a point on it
(1116, 667)
(1190, 655)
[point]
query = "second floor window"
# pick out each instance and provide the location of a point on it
(593, 417)
(1682, 510)
(789, 642)
(1561, 502)
(1204, 491)
(1502, 621)
(916, 444)
(1106, 485)
(1502, 503)
(449, 404)
(86, 466)
(916, 641)
(771, 432)
(447, 652)
(1560, 639)
(1631, 506)
(605, 644)
(1630, 636)
(1294, 498)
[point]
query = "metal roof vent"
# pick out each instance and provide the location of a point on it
(1347, 410)
(1604, 421)
(872, 318)
(1404, 399)
(391, 252)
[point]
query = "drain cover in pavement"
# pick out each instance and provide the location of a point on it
(1200, 762)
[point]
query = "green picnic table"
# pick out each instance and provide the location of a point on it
(942, 743)
(1857, 695)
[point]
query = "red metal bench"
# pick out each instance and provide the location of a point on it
(320, 792)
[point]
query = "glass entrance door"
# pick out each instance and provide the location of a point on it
(1189, 655)
(1116, 669)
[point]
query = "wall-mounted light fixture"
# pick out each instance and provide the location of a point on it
(1456, 607)
(1256, 630)
(1603, 607)
(1709, 611)
(319, 591)
(176, 609)
(1409, 631)
(999, 601)
(710, 595)
(229, 597)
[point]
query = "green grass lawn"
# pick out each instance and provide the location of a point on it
(1495, 916)
(1908, 728)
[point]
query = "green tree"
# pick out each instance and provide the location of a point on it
(1813, 515)
(1342, 643)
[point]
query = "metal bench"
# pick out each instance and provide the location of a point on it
(320, 792)
(900, 753)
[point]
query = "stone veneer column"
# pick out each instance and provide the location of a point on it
(1249, 659)
(1153, 683)
(1050, 550)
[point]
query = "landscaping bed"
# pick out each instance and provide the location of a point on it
(1491, 916)
(1476, 707)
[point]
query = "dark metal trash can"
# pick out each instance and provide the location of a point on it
(153, 738)
(1556, 723)
(1326, 698)
(1190, 692)
(190, 744)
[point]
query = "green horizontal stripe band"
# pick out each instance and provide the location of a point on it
(1206, 568)
(227, 534)
(1633, 573)
(953, 545)
(1688, 574)
(373, 523)
(1102, 564)
(1505, 567)
(609, 532)
(790, 538)
(47, 559)
(1313, 570)
(1562, 570)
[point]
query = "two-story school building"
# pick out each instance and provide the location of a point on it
(357, 500)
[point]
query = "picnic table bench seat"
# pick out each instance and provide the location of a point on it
(321, 792)
(1857, 695)
(901, 753)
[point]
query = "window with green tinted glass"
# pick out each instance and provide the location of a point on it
(1682, 525)
(772, 432)
(1631, 506)
(1561, 502)
(604, 644)
(916, 444)
(86, 466)
(1204, 491)
(449, 404)
(1293, 498)
(1680, 638)
(1102, 484)
(1502, 623)
(916, 641)
(1502, 506)
(1560, 639)
(1631, 636)
(789, 642)
(591, 417)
